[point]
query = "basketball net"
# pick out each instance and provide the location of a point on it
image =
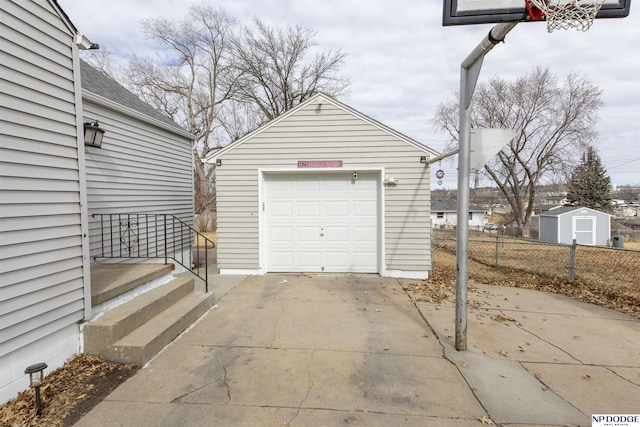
(565, 14)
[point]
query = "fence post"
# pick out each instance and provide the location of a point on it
(497, 244)
(572, 261)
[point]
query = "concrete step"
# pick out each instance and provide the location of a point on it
(136, 330)
(145, 342)
(110, 280)
(123, 319)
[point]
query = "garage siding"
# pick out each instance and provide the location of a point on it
(323, 130)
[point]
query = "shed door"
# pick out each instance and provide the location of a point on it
(321, 222)
(584, 230)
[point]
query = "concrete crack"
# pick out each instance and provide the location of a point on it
(518, 325)
(304, 399)
(621, 377)
(275, 325)
(224, 379)
(179, 398)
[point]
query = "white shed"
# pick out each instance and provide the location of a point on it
(324, 188)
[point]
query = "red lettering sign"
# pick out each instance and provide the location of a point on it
(319, 163)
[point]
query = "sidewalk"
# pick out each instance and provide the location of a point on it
(541, 358)
(305, 350)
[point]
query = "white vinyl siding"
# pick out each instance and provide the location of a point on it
(141, 168)
(41, 277)
(324, 131)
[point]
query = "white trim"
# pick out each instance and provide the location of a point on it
(405, 274)
(382, 203)
(594, 228)
(262, 247)
(82, 182)
(239, 272)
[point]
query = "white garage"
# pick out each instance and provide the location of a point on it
(324, 188)
(321, 222)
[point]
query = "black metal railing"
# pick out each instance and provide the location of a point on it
(147, 235)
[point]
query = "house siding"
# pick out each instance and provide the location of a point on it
(323, 130)
(141, 168)
(41, 262)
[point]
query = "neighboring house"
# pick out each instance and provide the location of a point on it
(444, 215)
(50, 182)
(323, 188)
(587, 226)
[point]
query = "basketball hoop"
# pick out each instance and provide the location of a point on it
(565, 14)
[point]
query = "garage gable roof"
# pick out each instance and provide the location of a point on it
(321, 97)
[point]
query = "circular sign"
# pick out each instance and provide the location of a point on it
(440, 174)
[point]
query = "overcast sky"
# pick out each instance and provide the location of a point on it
(402, 63)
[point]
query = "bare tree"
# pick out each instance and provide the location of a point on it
(276, 74)
(220, 81)
(191, 82)
(553, 123)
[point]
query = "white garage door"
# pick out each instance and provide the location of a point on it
(322, 222)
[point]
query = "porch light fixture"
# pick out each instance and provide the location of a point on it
(218, 162)
(36, 379)
(423, 159)
(93, 134)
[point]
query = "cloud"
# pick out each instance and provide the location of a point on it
(403, 63)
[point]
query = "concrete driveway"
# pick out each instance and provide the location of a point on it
(302, 350)
(329, 350)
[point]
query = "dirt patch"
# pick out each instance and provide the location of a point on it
(68, 393)
(625, 299)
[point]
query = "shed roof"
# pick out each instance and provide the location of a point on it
(100, 84)
(450, 205)
(328, 99)
(568, 209)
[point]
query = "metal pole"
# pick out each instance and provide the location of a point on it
(469, 71)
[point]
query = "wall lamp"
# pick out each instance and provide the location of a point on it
(218, 162)
(36, 379)
(93, 134)
(423, 159)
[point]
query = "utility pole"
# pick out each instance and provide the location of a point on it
(469, 72)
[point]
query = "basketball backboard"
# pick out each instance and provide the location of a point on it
(462, 12)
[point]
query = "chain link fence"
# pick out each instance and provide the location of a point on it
(585, 264)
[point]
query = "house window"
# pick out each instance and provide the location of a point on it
(440, 214)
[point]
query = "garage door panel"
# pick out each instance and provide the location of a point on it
(365, 234)
(280, 259)
(337, 185)
(308, 209)
(306, 185)
(332, 222)
(281, 209)
(337, 262)
(308, 234)
(309, 260)
(338, 208)
(337, 234)
(281, 234)
(365, 208)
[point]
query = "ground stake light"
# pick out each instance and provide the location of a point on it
(36, 379)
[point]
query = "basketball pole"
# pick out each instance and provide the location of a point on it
(469, 72)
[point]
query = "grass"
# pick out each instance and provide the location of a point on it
(211, 235)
